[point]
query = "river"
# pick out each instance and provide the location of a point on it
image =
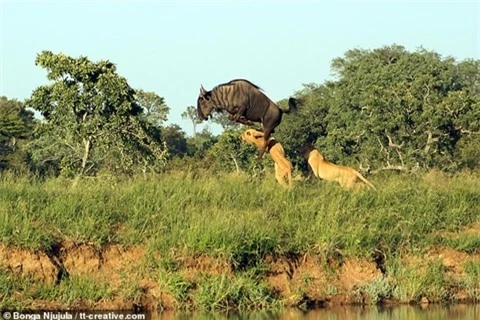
(430, 312)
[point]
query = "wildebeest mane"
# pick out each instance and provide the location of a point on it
(234, 80)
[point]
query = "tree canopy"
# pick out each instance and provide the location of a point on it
(16, 125)
(386, 109)
(92, 118)
(391, 109)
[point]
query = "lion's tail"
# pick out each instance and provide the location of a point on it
(365, 180)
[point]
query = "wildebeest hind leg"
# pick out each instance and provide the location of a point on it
(266, 137)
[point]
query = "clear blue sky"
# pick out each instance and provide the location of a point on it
(171, 47)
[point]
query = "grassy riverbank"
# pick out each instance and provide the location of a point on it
(246, 230)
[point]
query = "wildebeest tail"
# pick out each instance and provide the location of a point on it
(292, 105)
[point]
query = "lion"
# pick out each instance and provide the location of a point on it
(347, 177)
(283, 167)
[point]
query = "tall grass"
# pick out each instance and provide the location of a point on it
(239, 217)
(241, 220)
(16, 292)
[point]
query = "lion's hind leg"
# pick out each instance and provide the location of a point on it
(281, 175)
(285, 173)
(347, 178)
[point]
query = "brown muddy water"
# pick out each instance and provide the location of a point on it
(430, 312)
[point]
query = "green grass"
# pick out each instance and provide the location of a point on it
(220, 293)
(176, 284)
(378, 289)
(417, 279)
(16, 292)
(75, 289)
(239, 217)
(469, 243)
(241, 220)
(472, 280)
(10, 285)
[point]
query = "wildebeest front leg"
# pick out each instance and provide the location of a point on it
(238, 116)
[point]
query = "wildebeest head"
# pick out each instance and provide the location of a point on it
(205, 104)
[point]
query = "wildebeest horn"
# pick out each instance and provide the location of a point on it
(202, 90)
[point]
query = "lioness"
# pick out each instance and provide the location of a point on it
(283, 167)
(324, 169)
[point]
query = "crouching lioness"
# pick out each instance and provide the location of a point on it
(347, 177)
(283, 167)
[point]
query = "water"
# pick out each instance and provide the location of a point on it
(431, 312)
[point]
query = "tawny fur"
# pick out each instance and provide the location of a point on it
(347, 177)
(283, 167)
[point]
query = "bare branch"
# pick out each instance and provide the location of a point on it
(235, 162)
(357, 138)
(468, 131)
(400, 157)
(382, 148)
(69, 145)
(367, 169)
(391, 167)
(89, 168)
(430, 140)
(394, 145)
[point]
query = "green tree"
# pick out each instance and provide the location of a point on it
(199, 144)
(175, 140)
(231, 154)
(464, 107)
(191, 114)
(307, 124)
(92, 118)
(391, 109)
(154, 107)
(16, 125)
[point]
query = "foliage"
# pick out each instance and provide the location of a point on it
(200, 143)
(16, 126)
(392, 109)
(92, 119)
(219, 293)
(231, 154)
(175, 139)
(472, 281)
(74, 290)
(155, 110)
(190, 113)
(307, 124)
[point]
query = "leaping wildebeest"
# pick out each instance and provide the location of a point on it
(245, 103)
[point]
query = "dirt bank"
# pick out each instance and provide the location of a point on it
(306, 280)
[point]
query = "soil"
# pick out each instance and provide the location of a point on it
(297, 280)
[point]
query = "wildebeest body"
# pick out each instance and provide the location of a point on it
(245, 102)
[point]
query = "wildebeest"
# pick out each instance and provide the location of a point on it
(245, 103)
